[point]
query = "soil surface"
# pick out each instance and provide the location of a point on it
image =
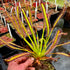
(45, 65)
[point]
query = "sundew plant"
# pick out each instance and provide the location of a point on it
(39, 47)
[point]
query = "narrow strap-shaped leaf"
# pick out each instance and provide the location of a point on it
(31, 29)
(17, 46)
(41, 45)
(15, 23)
(47, 39)
(22, 27)
(54, 42)
(29, 44)
(46, 19)
(22, 32)
(37, 37)
(43, 51)
(30, 16)
(19, 23)
(25, 31)
(61, 53)
(17, 11)
(47, 24)
(16, 56)
(11, 19)
(63, 44)
(18, 26)
(59, 17)
(11, 45)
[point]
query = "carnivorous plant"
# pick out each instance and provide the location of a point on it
(39, 47)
